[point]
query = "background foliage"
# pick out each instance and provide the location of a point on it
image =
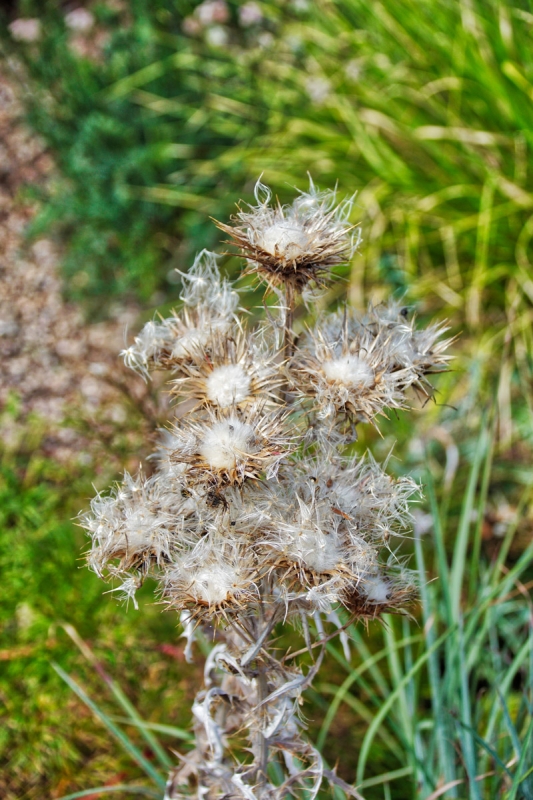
(161, 116)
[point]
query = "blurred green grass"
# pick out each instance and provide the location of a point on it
(426, 109)
(48, 739)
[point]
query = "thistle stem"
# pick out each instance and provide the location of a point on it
(262, 686)
(263, 741)
(290, 303)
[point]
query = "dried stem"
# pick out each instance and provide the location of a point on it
(290, 304)
(263, 741)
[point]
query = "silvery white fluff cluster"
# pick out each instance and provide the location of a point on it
(209, 306)
(254, 513)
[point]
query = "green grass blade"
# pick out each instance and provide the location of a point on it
(438, 536)
(386, 777)
(473, 582)
(122, 787)
(498, 591)
(461, 542)
(504, 683)
(344, 688)
(430, 613)
(486, 746)
(469, 752)
(509, 725)
(520, 776)
(132, 750)
(121, 698)
(168, 730)
(366, 655)
(362, 710)
(386, 706)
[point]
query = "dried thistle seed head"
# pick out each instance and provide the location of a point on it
(422, 350)
(307, 541)
(377, 593)
(218, 575)
(149, 345)
(235, 370)
(228, 447)
(204, 287)
(137, 525)
(210, 304)
(175, 341)
(366, 501)
(298, 243)
(351, 377)
(362, 367)
(169, 471)
(310, 541)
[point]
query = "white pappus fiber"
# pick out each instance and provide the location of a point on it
(284, 238)
(226, 442)
(375, 588)
(352, 371)
(228, 385)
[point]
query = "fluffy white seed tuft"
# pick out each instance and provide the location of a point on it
(190, 342)
(285, 238)
(227, 385)
(349, 370)
(314, 549)
(226, 442)
(375, 588)
(214, 584)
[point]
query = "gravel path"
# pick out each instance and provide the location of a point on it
(51, 361)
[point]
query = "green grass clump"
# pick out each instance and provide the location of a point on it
(49, 741)
(425, 107)
(446, 700)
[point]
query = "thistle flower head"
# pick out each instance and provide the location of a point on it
(234, 370)
(422, 350)
(298, 243)
(254, 514)
(217, 576)
(361, 367)
(308, 540)
(133, 526)
(386, 588)
(229, 447)
(210, 303)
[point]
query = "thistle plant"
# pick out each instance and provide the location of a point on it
(257, 513)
